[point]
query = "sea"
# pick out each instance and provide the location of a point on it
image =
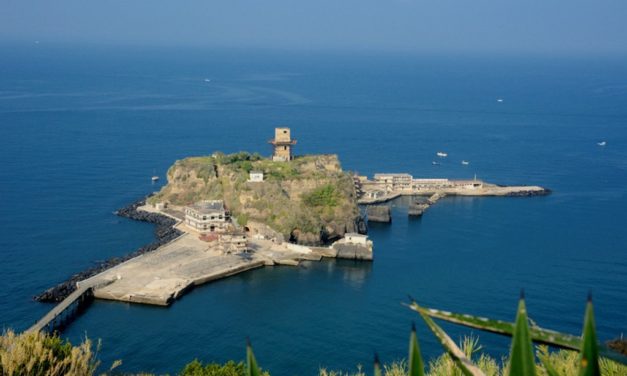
(83, 128)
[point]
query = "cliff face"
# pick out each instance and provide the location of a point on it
(309, 200)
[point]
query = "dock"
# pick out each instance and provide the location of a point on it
(68, 307)
(386, 187)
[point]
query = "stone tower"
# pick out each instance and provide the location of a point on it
(282, 144)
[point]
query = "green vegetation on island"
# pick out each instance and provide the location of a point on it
(309, 199)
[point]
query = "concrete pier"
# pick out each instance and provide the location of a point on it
(162, 276)
(380, 191)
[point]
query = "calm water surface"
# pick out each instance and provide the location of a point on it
(82, 130)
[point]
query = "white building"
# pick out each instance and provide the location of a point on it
(207, 216)
(354, 238)
(255, 176)
(394, 182)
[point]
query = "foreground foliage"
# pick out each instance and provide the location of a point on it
(37, 354)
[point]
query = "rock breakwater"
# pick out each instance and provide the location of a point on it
(164, 233)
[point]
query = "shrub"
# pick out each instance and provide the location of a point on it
(35, 353)
(230, 368)
(325, 195)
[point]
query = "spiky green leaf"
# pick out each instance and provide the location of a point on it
(538, 335)
(252, 369)
(521, 360)
(589, 354)
(464, 364)
(416, 364)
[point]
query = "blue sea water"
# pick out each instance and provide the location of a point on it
(83, 129)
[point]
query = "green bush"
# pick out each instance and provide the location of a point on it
(325, 196)
(230, 368)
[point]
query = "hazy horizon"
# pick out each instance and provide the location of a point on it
(578, 27)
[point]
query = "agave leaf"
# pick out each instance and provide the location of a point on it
(464, 364)
(538, 335)
(589, 357)
(252, 369)
(521, 360)
(416, 364)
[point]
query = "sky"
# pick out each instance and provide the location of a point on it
(585, 27)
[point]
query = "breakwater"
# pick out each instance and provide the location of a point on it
(164, 233)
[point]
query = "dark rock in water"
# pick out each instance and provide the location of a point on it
(164, 232)
(543, 192)
(361, 226)
(619, 345)
(379, 213)
(353, 251)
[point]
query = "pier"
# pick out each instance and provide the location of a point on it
(386, 187)
(69, 307)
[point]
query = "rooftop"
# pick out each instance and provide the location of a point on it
(208, 206)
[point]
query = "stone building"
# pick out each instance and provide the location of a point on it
(282, 144)
(207, 216)
(235, 242)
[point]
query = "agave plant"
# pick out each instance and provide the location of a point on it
(522, 362)
(521, 356)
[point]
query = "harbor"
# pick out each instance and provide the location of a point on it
(388, 186)
(426, 192)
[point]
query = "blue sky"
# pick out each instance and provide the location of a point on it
(589, 27)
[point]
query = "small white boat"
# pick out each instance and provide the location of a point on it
(602, 143)
(435, 163)
(500, 100)
(207, 80)
(465, 163)
(441, 154)
(154, 178)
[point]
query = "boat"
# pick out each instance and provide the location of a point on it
(207, 80)
(465, 163)
(441, 154)
(602, 143)
(499, 100)
(435, 163)
(154, 178)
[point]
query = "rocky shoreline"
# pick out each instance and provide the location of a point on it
(164, 233)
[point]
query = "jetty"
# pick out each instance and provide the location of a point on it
(65, 310)
(388, 186)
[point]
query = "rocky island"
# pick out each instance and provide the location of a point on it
(309, 200)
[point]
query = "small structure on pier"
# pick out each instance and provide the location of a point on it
(234, 242)
(207, 216)
(282, 144)
(355, 238)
